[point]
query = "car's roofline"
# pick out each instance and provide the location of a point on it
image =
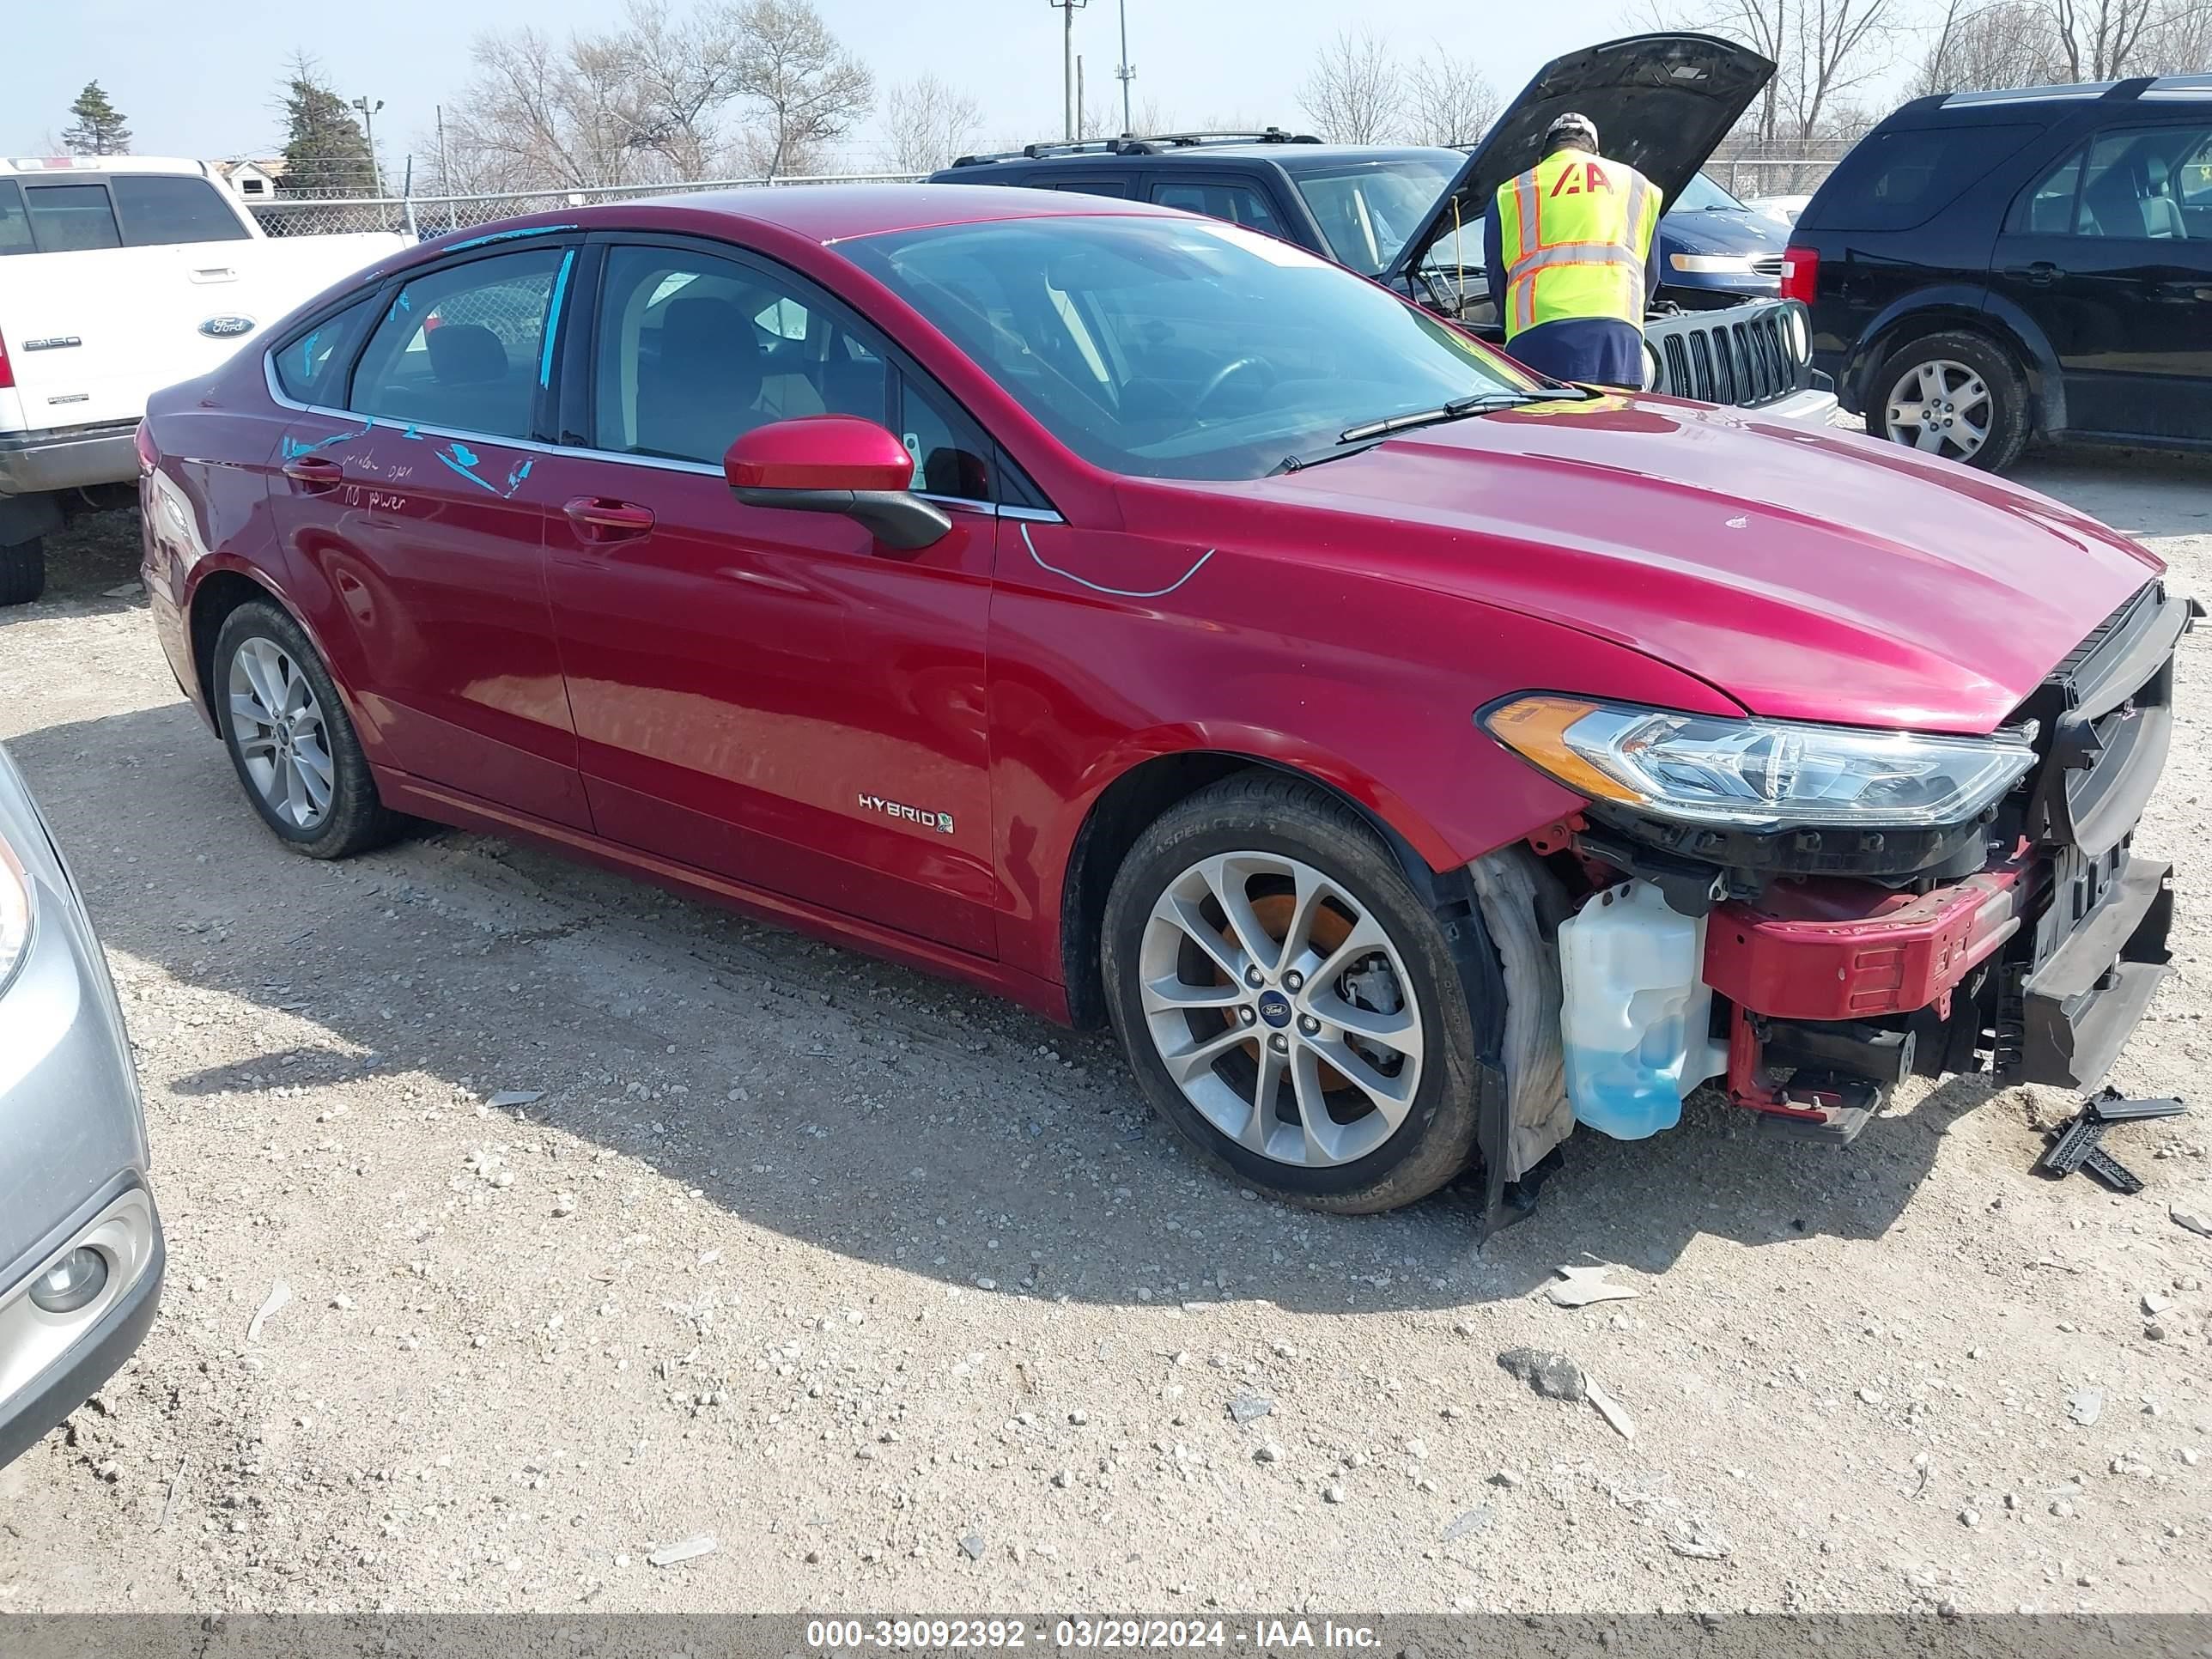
(34, 167)
(823, 213)
(1290, 158)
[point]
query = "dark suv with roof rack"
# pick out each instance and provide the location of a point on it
(1412, 217)
(1989, 267)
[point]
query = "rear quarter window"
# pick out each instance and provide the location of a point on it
(1901, 178)
(311, 365)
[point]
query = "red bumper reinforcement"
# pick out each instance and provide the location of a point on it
(1830, 948)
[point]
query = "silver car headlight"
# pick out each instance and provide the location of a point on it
(14, 913)
(1757, 774)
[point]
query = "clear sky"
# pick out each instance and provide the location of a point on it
(196, 78)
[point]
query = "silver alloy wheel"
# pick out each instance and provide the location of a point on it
(277, 725)
(1281, 1008)
(1942, 407)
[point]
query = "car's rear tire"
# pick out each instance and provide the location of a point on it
(290, 739)
(1957, 394)
(23, 571)
(1328, 946)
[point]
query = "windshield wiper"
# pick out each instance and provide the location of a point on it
(1335, 452)
(1457, 409)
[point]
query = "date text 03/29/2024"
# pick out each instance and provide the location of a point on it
(1091, 1634)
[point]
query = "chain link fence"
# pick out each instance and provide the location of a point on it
(1750, 174)
(1754, 173)
(424, 216)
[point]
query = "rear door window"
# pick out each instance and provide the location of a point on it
(71, 218)
(161, 212)
(463, 347)
(2135, 185)
(1240, 205)
(1898, 180)
(1116, 187)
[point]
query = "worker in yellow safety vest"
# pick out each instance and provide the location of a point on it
(1568, 246)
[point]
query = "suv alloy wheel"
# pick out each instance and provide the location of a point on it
(1955, 394)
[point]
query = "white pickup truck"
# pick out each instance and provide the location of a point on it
(118, 275)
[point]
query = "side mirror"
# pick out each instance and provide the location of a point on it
(835, 464)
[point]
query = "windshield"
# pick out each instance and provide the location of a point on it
(1174, 348)
(1702, 193)
(1367, 211)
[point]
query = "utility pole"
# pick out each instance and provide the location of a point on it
(1127, 71)
(1067, 9)
(1082, 115)
(368, 124)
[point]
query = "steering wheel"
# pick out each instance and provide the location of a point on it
(1228, 372)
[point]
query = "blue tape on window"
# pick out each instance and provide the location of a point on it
(509, 235)
(553, 319)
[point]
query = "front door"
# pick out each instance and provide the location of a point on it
(768, 694)
(2110, 251)
(411, 503)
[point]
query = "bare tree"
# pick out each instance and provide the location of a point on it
(1448, 100)
(683, 72)
(811, 92)
(538, 114)
(927, 124)
(1981, 47)
(1840, 44)
(1352, 93)
(1153, 116)
(2180, 41)
(1762, 25)
(1822, 50)
(2100, 39)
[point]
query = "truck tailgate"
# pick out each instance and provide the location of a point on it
(91, 333)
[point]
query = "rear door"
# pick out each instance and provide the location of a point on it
(411, 504)
(2101, 251)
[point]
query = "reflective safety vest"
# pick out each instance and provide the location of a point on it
(1575, 230)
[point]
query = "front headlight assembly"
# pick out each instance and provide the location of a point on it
(1713, 265)
(1758, 775)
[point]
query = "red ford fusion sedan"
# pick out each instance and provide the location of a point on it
(1153, 623)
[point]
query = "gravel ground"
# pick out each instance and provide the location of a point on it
(611, 1220)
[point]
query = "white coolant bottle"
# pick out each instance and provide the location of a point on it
(1636, 1010)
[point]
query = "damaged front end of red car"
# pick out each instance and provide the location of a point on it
(1837, 961)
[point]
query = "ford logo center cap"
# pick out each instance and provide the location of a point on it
(1275, 1008)
(223, 328)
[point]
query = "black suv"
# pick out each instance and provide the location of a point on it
(1412, 218)
(1987, 267)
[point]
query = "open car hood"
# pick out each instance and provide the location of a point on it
(1663, 104)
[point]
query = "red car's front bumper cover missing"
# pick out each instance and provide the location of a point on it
(1831, 950)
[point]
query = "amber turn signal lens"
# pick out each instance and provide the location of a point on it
(1535, 728)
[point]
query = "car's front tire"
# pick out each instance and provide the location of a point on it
(1288, 1004)
(290, 739)
(1959, 395)
(23, 571)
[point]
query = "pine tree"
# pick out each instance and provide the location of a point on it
(324, 151)
(98, 129)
